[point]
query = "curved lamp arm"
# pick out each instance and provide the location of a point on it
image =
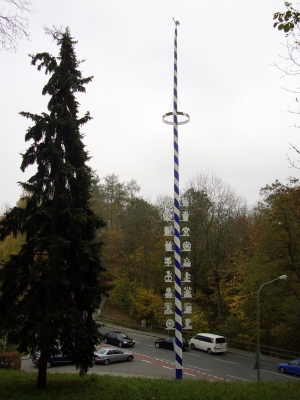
(282, 277)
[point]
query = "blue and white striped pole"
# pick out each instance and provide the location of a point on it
(178, 305)
(177, 262)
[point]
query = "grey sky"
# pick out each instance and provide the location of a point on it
(240, 128)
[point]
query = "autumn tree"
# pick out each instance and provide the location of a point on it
(110, 196)
(143, 243)
(51, 287)
(273, 251)
(215, 233)
(114, 198)
(12, 243)
(278, 216)
(145, 304)
(142, 254)
(199, 214)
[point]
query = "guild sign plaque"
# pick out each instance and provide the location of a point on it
(169, 306)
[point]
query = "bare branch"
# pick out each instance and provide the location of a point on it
(289, 22)
(14, 26)
(291, 161)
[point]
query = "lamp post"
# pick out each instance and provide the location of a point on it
(258, 329)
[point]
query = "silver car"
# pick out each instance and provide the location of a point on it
(107, 355)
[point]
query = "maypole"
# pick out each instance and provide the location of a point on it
(177, 262)
(178, 307)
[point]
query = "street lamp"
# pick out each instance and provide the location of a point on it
(258, 332)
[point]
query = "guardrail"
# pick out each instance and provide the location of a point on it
(236, 344)
(265, 350)
(131, 324)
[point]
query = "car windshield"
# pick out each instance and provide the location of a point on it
(122, 335)
(220, 340)
(101, 351)
(294, 362)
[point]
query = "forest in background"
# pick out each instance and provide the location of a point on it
(234, 251)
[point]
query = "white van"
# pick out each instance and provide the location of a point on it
(209, 342)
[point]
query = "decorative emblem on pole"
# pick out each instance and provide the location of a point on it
(177, 263)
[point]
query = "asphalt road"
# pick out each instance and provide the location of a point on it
(159, 363)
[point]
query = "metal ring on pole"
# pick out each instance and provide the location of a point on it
(179, 113)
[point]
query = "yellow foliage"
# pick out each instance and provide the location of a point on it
(11, 246)
(199, 321)
(147, 305)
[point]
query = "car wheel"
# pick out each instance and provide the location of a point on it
(193, 346)
(282, 370)
(106, 362)
(120, 344)
(209, 350)
(129, 358)
(157, 344)
(105, 341)
(49, 364)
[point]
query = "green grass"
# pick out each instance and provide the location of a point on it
(65, 386)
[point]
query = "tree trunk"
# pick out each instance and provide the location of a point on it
(42, 374)
(219, 299)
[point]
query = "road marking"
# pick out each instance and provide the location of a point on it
(164, 360)
(229, 362)
(286, 376)
(271, 372)
(203, 369)
(189, 371)
(241, 379)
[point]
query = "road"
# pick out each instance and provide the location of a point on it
(159, 363)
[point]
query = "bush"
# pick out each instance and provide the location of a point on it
(7, 347)
(10, 360)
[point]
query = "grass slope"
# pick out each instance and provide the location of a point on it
(16, 385)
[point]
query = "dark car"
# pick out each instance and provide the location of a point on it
(58, 358)
(108, 355)
(168, 343)
(290, 367)
(118, 339)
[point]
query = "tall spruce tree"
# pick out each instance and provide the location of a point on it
(50, 289)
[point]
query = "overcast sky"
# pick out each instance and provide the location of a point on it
(240, 127)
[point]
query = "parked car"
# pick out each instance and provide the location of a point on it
(118, 339)
(209, 342)
(57, 359)
(168, 343)
(290, 367)
(108, 355)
